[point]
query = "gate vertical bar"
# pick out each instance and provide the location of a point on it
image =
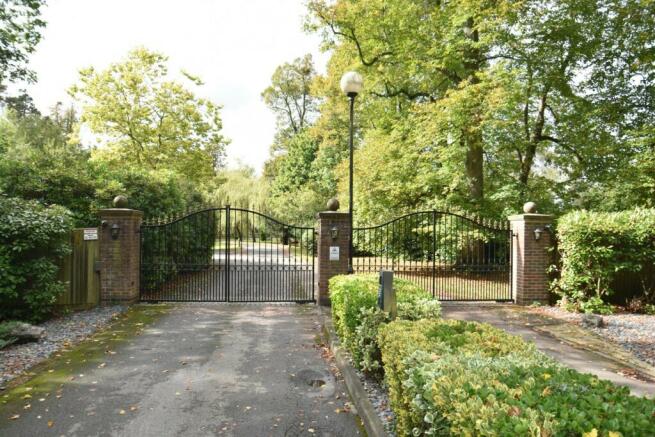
(434, 253)
(227, 253)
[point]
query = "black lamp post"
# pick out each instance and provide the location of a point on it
(351, 85)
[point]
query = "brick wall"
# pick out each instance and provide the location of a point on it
(326, 268)
(530, 258)
(120, 258)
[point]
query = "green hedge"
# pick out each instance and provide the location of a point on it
(463, 378)
(597, 247)
(33, 238)
(357, 319)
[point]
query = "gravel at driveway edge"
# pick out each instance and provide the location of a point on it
(581, 338)
(358, 395)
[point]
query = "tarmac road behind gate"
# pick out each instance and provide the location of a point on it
(202, 370)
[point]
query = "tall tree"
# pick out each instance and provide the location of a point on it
(20, 32)
(150, 121)
(289, 97)
(495, 101)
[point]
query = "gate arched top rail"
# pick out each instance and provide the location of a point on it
(151, 223)
(268, 217)
(500, 226)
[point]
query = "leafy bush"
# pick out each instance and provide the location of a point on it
(462, 378)
(370, 321)
(399, 340)
(158, 193)
(32, 239)
(596, 247)
(357, 319)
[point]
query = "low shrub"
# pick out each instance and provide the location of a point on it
(599, 250)
(32, 240)
(357, 319)
(401, 339)
(462, 378)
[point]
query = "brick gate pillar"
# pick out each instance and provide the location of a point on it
(532, 240)
(333, 247)
(120, 252)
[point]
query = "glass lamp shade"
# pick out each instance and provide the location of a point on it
(351, 83)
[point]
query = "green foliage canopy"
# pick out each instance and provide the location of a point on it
(149, 121)
(485, 105)
(20, 32)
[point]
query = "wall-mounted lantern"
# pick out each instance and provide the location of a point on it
(115, 230)
(537, 234)
(334, 232)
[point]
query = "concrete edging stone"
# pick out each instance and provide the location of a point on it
(359, 396)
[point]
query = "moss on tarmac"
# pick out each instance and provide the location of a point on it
(64, 366)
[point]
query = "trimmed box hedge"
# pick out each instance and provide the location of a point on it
(466, 378)
(357, 319)
(597, 248)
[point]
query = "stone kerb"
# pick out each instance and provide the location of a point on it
(531, 256)
(120, 246)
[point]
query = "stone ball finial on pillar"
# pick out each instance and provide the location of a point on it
(120, 202)
(530, 208)
(333, 204)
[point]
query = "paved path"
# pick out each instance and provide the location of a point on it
(582, 360)
(202, 370)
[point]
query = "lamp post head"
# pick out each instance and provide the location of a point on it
(351, 83)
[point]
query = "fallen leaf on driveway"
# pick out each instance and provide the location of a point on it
(121, 412)
(51, 423)
(14, 417)
(102, 365)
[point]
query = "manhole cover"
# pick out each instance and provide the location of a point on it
(317, 383)
(313, 382)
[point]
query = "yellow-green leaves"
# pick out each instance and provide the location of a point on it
(143, 118)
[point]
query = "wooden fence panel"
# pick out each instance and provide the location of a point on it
(79, 270)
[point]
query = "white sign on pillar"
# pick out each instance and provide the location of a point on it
(334, 253)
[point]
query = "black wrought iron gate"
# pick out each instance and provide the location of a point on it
(456, 257)
(226, 255)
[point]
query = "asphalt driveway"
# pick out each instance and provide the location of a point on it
(196, 370)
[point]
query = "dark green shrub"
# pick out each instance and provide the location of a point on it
(595, 247)
(32, 240)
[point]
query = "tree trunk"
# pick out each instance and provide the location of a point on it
(474, 146)
(475, 168)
